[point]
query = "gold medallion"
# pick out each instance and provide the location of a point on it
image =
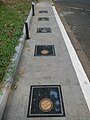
(44, 52)
(46, 105)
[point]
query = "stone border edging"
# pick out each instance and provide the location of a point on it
(12, 68)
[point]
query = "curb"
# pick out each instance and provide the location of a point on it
(12, 67)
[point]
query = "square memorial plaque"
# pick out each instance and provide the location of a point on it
(44, 50)
(44, 30)
(46, 101)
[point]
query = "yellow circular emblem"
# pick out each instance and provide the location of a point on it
(46, 105)
(44, 52)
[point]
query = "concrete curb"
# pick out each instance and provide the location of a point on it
(12, 68)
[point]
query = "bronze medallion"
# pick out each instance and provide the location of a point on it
(44, 52)
(46, 105)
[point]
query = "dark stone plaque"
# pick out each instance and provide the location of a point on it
(44, 50)
(45, 101)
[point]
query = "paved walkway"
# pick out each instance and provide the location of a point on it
(46, 70)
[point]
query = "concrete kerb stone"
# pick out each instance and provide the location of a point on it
(3, 97)
(12, 68)
(52, 2)
(29, 19)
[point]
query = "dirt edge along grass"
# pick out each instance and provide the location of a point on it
(11, 25)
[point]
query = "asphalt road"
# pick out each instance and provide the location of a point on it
(77, 15)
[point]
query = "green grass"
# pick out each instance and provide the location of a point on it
(11, 26)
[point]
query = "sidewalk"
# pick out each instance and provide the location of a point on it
(46, 70)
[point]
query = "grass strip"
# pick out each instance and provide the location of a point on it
(11, 25)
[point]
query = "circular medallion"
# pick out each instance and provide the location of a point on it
(46, 105)
(44, 52)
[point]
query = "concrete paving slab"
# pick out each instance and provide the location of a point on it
(47, 70)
